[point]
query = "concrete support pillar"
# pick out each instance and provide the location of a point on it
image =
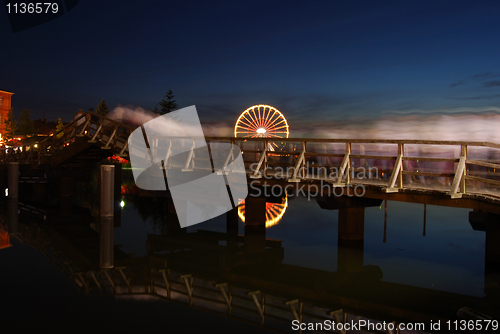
(492, 246)
(350, 256)
(351, 223)
(492, 263)
(490, 224)
(255, 225)
(255, 211)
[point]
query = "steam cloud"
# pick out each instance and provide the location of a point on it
(460, 125)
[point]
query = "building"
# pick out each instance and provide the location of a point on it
(44, 128)
(5, 105)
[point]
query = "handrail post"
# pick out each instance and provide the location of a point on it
(304, 172)
(401, 149)
(460, 172)
(264, 172)
(349, 162)
(299, 165)
(344, 166)
(397, 172)
(262, 157)
(463, 153)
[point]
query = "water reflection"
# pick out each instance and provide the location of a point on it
(4, 240)
(274, 211)
(326, 258)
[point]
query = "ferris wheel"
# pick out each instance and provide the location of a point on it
(274, 211)
(261, 121)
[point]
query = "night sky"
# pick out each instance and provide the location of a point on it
(316, 61)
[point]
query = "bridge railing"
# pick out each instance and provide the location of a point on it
(453, 167)
(99, 129)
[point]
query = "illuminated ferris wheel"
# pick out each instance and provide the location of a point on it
(274, 212)
(262, 121)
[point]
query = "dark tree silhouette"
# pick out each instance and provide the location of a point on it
(102, 108)
(26, 124)
(167, 105)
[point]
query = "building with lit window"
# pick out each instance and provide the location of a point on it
(5, 105)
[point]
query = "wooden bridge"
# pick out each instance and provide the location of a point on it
(89, 138)
(455, 169)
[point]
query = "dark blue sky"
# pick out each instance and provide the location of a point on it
(314, 60)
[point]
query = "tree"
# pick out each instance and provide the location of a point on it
(167, 105)
(102, 108)
(59, 127)
(26, 124)
(10, 125)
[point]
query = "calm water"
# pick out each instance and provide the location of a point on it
(449, 258)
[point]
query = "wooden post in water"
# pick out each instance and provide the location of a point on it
(107, 219)
(13, 179)
(13, 192)
(118, 194)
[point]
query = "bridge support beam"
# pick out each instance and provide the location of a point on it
(255, 211)
(489, 223)
(352, 224)
(351, 229)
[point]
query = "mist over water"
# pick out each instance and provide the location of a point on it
(134, 116)
(456, 125)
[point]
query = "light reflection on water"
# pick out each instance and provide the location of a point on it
(449, 258)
